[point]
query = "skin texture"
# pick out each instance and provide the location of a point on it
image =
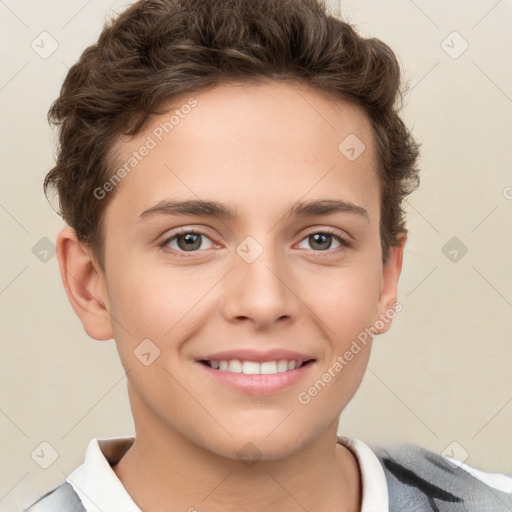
(258, 148)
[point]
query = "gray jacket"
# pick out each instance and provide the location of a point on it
(418, 480)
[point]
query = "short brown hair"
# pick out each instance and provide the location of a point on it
(159, 49)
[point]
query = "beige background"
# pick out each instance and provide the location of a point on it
(443, 372)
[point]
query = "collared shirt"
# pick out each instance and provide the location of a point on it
(100, 490)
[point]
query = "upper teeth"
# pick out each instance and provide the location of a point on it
(255, 368)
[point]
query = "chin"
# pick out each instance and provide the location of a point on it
(259, 446)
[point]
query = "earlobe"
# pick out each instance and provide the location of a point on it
(390, 276)
(85, 285)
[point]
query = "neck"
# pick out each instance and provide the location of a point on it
(164, 470)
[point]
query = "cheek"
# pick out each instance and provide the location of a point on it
(348, 304)
(150, 302)
(352, 311)
(162, 306)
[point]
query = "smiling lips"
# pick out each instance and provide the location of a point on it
(257, 372)
(254, 367)
(254, 362)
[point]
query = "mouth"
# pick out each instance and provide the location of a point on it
(248, 367)
(256, 377)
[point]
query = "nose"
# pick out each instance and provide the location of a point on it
(260, 291)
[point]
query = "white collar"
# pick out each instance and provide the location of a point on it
(375, 487)
(100, 489)
(95, 482)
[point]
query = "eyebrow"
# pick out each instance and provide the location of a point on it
(201, 207)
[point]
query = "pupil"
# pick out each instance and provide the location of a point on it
(191, 241)
(320, 236)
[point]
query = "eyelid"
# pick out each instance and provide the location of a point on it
(182, 231)
(345, 241)
(331, 231)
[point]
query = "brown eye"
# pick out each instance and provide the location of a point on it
(186, 241)
(322, 241)
(189, 241)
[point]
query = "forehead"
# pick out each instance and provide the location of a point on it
(249, 144)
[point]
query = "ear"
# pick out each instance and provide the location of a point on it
(390, 275)
(85, 285)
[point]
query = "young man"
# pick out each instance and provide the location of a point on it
(232, 174)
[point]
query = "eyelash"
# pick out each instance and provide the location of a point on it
(345, 244)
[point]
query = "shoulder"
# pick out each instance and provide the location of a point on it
(420, 479)
(61, 499)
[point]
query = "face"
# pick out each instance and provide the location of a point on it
(293, 273)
